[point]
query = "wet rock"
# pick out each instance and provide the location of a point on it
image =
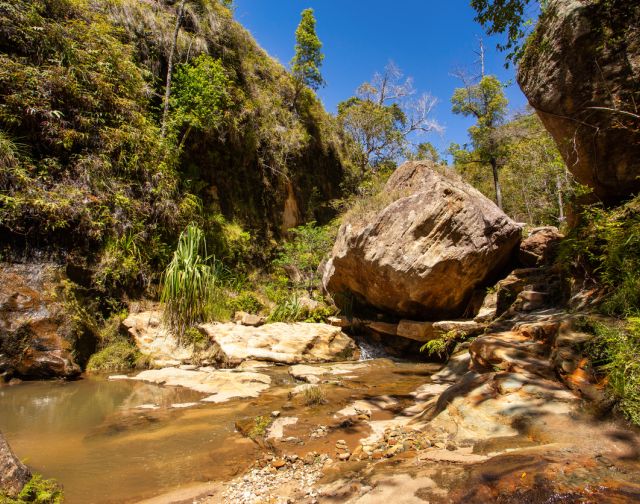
(315, 374)
(37, 331)
(13, 473)
(424, 254)
(222, 384)
(279, 342)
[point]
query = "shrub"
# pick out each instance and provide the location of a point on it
(120, 355)
(443, 344)
(246, 301)
(614, 354)
(260, 426)
(303, 253)
(606, 245)
(289, 310)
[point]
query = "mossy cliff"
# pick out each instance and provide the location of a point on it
(87, 176)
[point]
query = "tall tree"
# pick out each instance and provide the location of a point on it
(172, 51)
(307, 60)
(485, 101)
(382, 116)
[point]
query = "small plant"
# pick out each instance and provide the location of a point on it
(193, 336)
(289, 310)
(441, 346)
(37, 491)
(314, 396)
(120, 355)
(260, 426)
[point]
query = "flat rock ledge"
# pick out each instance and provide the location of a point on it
(279, 342)
(221, 384)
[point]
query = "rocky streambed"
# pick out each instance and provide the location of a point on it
(142, 437)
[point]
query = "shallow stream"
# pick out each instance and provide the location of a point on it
(102, 441)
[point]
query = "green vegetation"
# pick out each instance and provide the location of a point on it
(116, 352)
(260, 426)
(380, 119)
(605, 246)
(604, 249)
(121, 355)
(534, 181)
(443, 344)
(510, 17)
(86, 169)
(189, 282)
(486, 103)
(37, 491)
(614, 353)
(307, 60)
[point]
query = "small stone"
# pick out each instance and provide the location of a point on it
(344, 456)
(278, 463)
(275, 414)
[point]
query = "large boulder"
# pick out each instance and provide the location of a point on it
(581, 73)
(14, 475)
(279, 342)
(38, 333)
(423, 255)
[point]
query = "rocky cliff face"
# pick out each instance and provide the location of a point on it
(424, 254)
(581, 72)
(37, 331)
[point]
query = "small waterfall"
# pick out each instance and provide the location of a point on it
(369, 349)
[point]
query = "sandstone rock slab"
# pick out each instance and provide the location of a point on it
(154, 339)
(221, 385)
(279, 342)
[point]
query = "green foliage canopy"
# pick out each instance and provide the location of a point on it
(485, 101)
(510, 16)
(200, 93)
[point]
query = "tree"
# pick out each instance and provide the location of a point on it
(425, 151)
(381, 118)
(534, 180)
(172, 51)
(485, 101)
(200, 95)
(306, 63)
(510, 16)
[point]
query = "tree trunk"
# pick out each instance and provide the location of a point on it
(167, 90)
(560, 202)
(496, 182)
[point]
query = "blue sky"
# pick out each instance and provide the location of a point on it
(427, 39)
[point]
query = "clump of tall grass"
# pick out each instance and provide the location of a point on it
(189, 282)
(288, 310)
